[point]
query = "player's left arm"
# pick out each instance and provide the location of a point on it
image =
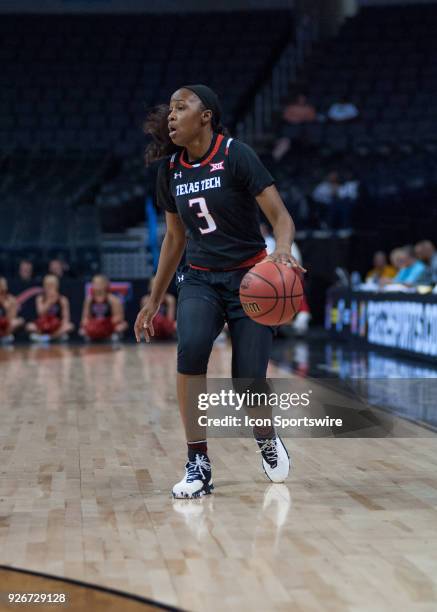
(273, 207)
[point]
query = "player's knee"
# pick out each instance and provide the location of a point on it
(193, 355)
(251, 369)
(253, 384)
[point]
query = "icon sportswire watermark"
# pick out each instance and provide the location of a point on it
(298, 407)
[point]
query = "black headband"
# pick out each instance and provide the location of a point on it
(209, 99)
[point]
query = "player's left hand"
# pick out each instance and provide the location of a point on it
(285, 258)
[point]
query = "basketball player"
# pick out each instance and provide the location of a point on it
(209, 187)
(102, 312)
(164, 323)
(53, 310)
(9, 322)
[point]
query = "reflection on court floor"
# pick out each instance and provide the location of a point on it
(91, 444)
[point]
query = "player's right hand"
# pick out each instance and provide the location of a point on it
(144, 321)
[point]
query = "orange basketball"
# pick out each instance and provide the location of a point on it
(271, 293)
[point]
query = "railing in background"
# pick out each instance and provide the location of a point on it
(268, 101)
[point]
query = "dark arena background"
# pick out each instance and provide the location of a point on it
(338, 99)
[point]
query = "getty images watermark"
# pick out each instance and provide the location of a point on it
(303, 407)
(229, 398)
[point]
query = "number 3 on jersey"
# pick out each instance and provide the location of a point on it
(205, 214)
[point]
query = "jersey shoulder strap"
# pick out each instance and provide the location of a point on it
(227, 145)
(171, 161)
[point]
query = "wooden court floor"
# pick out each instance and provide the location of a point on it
(90, 446)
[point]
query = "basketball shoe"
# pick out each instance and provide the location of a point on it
(197, 481)
(275, 458)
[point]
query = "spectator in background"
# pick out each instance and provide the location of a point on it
(295, 114)
(349, 188)
(426, 252)
(343, 111)
(411, 270)
(396, 259)
(296, 203)
(25, 270)
(326, 191)
(58, 268)
(53, 310)
(164, 323)
(336, 201)
(102, 313)
(9, 322)
(381, 270)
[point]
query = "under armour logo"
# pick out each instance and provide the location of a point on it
(177, 175)
(180, 278)
(217, 166)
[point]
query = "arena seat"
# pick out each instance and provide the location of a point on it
(83, 83)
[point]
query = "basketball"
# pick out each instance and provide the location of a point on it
(271, 293)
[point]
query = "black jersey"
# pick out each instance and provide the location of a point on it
(100, 310)
(215, 198)
(3, 312)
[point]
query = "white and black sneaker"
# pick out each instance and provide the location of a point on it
(276, 461)
(197, 481)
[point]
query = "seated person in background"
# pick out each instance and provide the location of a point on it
(298, 112)
(426, 252)
(25, 270)
(9, 322)
(57, 268)
(102, 313)
(53, 310)
(343, 111)
(381, 268)
(164, 323)
(411, 270)
(326, 191)
(337, 200)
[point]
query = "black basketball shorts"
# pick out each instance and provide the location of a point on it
(206, 301)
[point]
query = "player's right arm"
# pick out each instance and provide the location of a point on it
(172, 249)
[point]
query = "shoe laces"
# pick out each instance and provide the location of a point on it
(269, 451)
(196, 467)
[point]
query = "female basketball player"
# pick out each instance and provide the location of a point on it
(53, 310)
(9, 322)
(102, 312)
(209, 188)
